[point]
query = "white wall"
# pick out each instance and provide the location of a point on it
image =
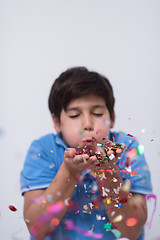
(41, 38)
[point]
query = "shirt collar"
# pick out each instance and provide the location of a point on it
(59, 140)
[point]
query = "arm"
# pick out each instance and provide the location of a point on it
(64, 182)
(131, 205)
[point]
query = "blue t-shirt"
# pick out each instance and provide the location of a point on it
(41, 165)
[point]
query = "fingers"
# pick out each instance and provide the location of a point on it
(92, 162)
(81, 158)
(69, 153)
(85, 160)
(114, 154)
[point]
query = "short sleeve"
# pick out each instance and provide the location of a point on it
(137, 171)
(39, 168)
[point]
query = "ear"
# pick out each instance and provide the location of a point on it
(56, 123)
(112, 120)
(112, 123)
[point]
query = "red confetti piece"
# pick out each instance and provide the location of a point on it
(114, 226)
(134, 172)
(12, 208)
(113, 138)
(130, 222)
(123, 200)
(152, 140)
(127, 163)
(129, 135)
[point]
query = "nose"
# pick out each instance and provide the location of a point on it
(87, 123)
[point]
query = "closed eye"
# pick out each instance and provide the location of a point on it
(74, 116)
(98, 114)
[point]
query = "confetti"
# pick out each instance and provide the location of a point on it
(92, 229)
(143, 130)
(12, 208)
(129, 135)
(118, 219)
(52, 165)
(126, 186)
(130, 222)
(109, 200)
(55, 208)
(70, 225)
(135, 151)
(107, 225)
(155, 203)
(55, 222)
(104, 191)
(116, 233)
(100, 150)
(123, 200)
(112, 156)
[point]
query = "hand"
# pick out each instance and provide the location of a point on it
(114, 157)
(76, 163)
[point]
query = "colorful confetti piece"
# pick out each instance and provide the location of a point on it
(12, 208)
(155, 203)
(130, 222)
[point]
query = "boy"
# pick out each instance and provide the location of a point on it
(68, 194)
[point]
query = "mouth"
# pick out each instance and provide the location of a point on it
(88, 142)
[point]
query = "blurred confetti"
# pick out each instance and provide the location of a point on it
(12, 208)
(70, 226)
(130, 222)
(155, 203)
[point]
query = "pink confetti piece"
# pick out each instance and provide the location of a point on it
(155, 203)
(70, 225)
(55, 208)
(52, 210)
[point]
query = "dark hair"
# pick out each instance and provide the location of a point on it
(77, 82)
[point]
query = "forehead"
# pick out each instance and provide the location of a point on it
(91, 100)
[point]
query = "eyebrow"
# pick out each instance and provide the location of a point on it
(77, 108)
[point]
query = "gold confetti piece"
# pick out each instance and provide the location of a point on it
(39, 154)
(51, 151)
(26, 220)
(91, 229)
(117, 219)
(85, 207)
(108, 200)
(87, 212)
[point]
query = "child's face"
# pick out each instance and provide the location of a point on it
(86, 118)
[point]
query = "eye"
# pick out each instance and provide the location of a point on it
(98, 114)
(74, 116)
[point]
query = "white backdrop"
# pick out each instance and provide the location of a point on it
(41, 38)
